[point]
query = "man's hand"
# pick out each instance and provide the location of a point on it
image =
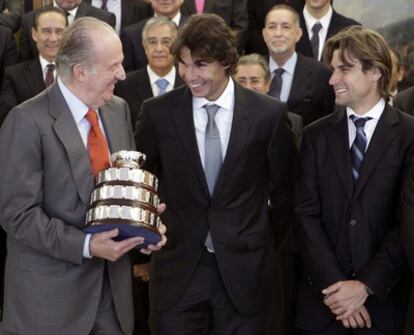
(162, 229)
(345, 297)
(142, 271)
(359, 319)
(102, 245)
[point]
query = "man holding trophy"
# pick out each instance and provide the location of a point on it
(220, 151)
(58, 278)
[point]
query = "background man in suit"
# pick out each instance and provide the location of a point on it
(319, 22)
(25, 80)
(74, 9)
(216, 147)
(10, 13)
(160, 75)
(131, 36)
(405, 101)
(57, 277)
(257, 11)
(299, 81)
(127, 12)
(253, 72)
(234, 12)
(353, 165)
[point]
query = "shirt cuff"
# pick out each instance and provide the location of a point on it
(86, 253)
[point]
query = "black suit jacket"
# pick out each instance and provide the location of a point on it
(257, 11)
(405, 101)
(261, 149)
(21, 82)
(311, 96)
(12, 20)
(8, 50)
(27, 46)
(132, 11)
(134, 53)
(136, 88)
(234, 12)
(352, 232)
(338, 22)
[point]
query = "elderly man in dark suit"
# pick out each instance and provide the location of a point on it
(160, 75)
(216, 147)
(234, 12)
(300, 81)
(74, 9)
(131, 36)
(25, 80)
(353, 166)
(59, 279)
(10, 13)
(319, 21)
(127, 12)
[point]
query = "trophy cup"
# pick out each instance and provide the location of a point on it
(125, 197)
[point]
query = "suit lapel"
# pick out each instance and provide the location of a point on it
(127, 11)
(82, 10)
(300, 80)
(34, 77)
(242, 120)
(338, 142)
(143, 87)
(190, 7)
(382, 137)
(112, 124)
(184, 124)
(67, 131)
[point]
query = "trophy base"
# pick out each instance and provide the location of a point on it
(150, 234)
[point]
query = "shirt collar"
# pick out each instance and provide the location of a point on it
(224, 100)
(76, 106)
(324, 20)
(44, 63)
(153, 77)
(374, 113)
(289, 66)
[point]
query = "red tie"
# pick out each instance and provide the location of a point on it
(49, 75)
(97, 146)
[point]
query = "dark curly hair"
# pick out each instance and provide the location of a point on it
(209, 38)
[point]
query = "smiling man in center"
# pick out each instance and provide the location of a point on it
(220, 151)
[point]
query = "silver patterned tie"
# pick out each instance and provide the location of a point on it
(213, 157)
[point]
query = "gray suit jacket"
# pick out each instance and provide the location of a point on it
(47, 181)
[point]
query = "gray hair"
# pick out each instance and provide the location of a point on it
(77, 44)
(158, 21)
(255, 59)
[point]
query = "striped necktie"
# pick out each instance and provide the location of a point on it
(359, 146)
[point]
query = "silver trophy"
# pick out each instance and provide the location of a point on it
(125, 197)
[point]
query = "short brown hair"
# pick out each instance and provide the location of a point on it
(208, 37)
(368, 47)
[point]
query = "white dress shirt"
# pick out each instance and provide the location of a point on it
(287, 75)
(223, 118)
(153, 77)
(374, 113)
(113, 6)
(324, 21)
(71, 14)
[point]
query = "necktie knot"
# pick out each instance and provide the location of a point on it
(359, 122)
(51, 67)
(104, 5)
(279, 71)
(211, 111)
(92, 117)
(162, 85)
(316, 27)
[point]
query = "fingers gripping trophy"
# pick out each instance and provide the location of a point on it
(125, 197)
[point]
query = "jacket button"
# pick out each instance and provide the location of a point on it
(352, 223)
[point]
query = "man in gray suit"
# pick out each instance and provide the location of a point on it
(59, 279)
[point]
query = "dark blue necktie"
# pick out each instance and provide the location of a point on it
(276, 84)
(359, 146)
(315, 39)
